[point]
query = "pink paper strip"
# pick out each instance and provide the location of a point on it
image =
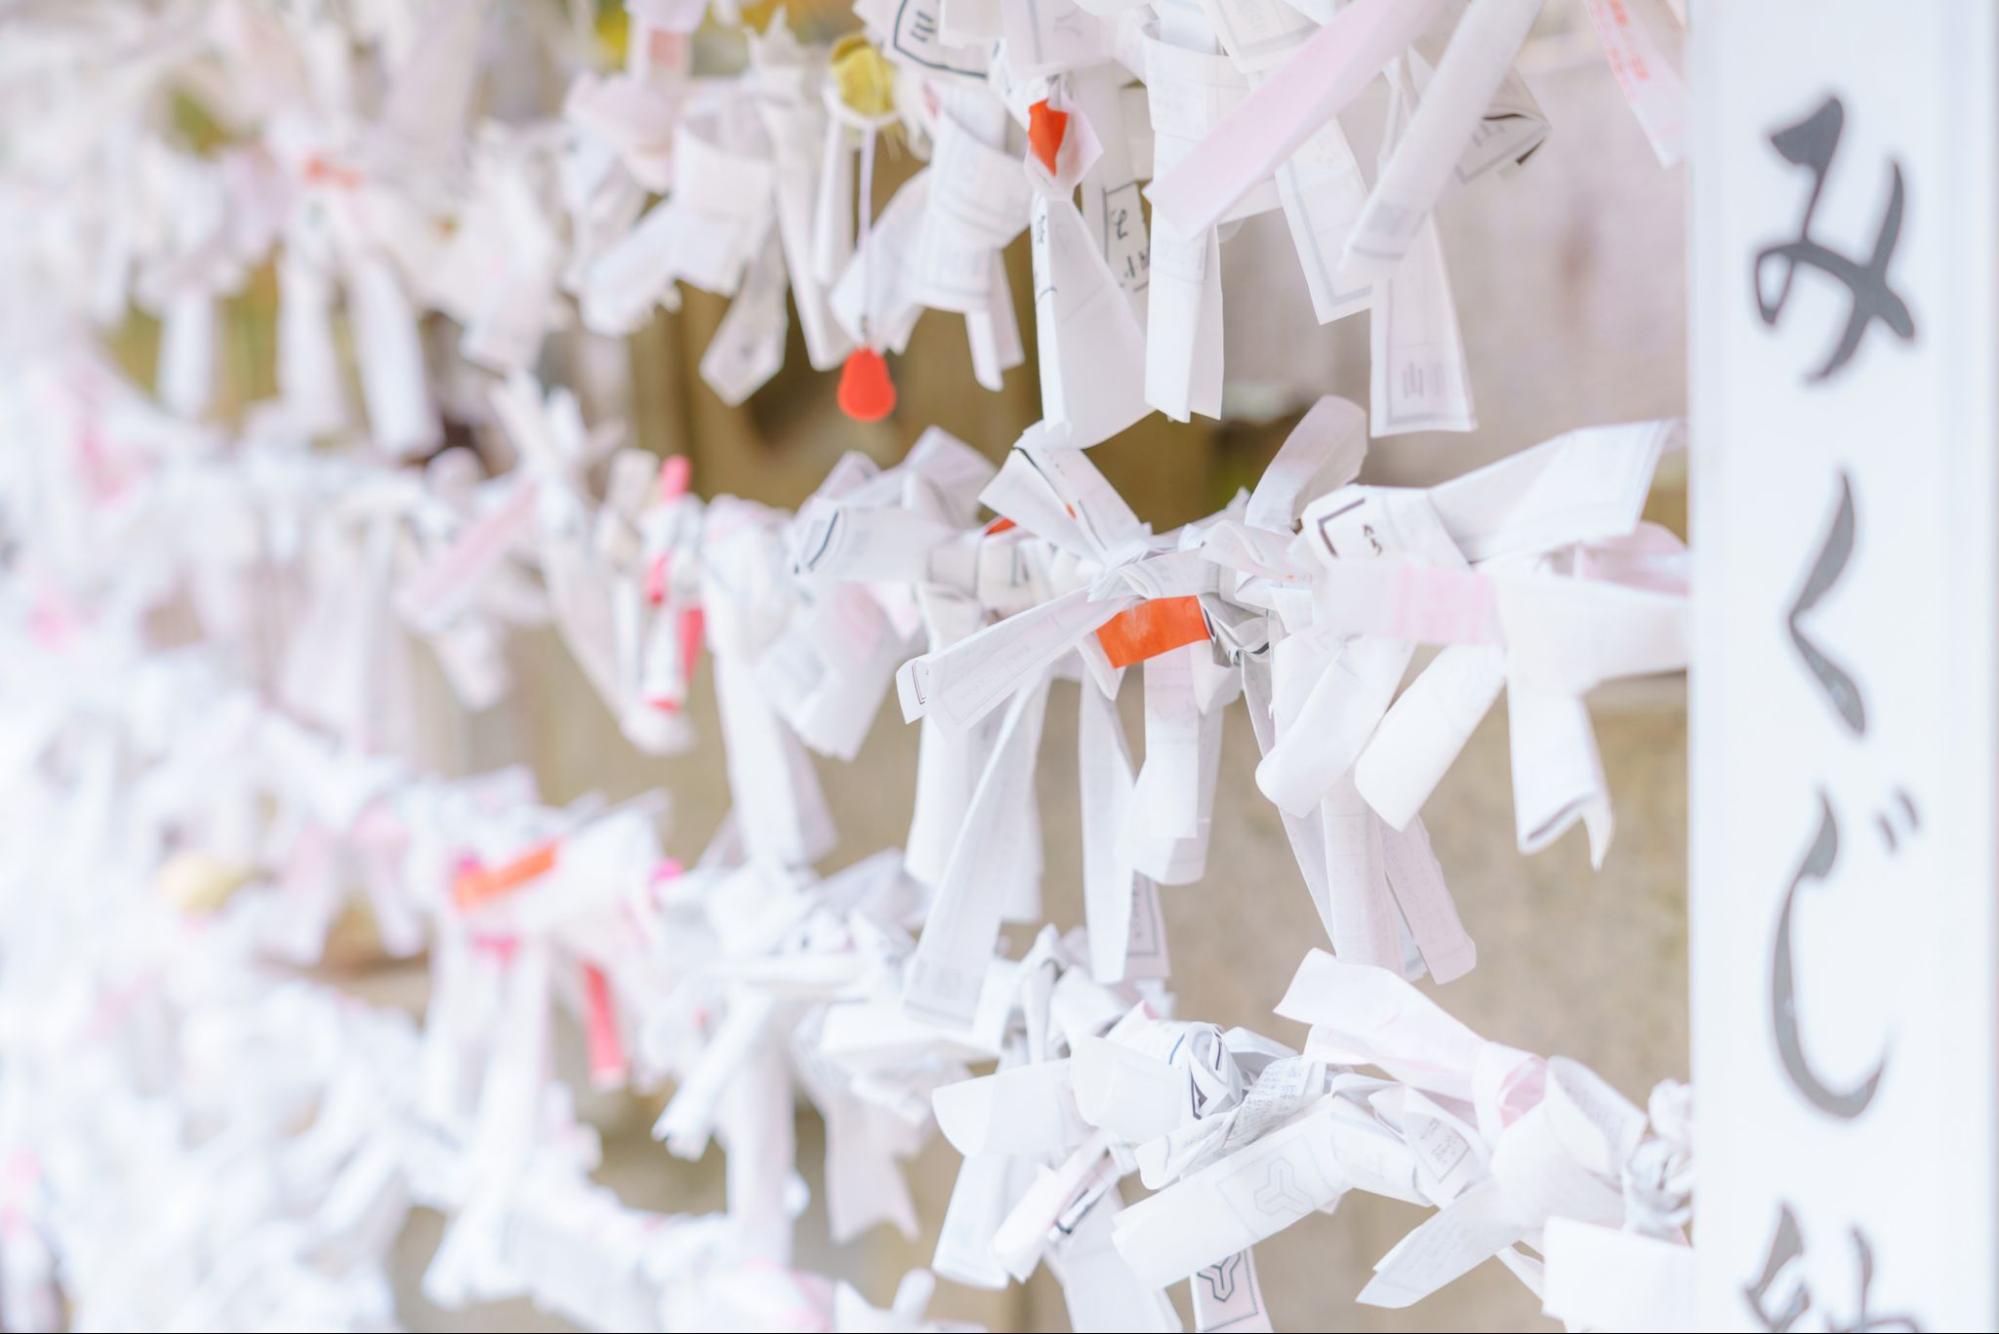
(600, 1029)
(1324, 74)
(443, 586)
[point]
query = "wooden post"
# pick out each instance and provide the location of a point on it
(1846, 529)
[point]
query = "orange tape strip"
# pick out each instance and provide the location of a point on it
(479, 884)
(1153, 627)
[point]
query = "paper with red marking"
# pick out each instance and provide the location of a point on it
(1153, 627)
(477, 885)
(1657, 94)
(1045, 128)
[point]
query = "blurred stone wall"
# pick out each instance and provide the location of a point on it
(1569, 279)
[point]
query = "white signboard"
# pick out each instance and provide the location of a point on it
(1845, 679)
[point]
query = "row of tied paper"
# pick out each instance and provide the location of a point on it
(222, 801)
(222, 805)
(358, 167)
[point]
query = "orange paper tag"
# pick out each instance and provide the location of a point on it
(1153, 627)
(1045, 128)
(477, 884)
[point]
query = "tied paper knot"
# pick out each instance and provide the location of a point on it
(1106, 562)
(1179, 1095)
(1659, 1176)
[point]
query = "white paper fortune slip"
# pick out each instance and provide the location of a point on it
(405, 262)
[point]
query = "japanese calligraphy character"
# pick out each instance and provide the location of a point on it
(1817, 866)
(1861, 1320)
(1781, 1294)
(1811, 143)
(1841, 691)
(1124, 240)
(1909, 815)
(1784, 1272)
